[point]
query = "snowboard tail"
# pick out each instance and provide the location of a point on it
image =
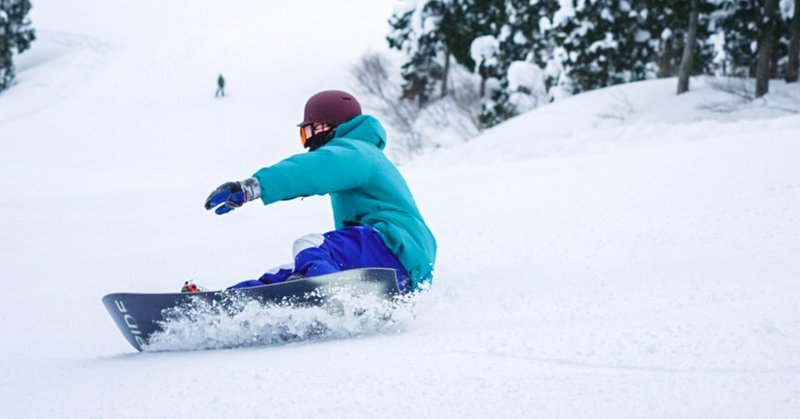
(138, 315)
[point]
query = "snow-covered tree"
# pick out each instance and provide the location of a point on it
(607, 43)
(485, 52)
(689, 45)
(16, 34)
(432, 33)
(400, 35)
(766, 39)
(526, 86)
(580, 45)
(523, 50)
(437, 34)
(416, 32)
(667, 24)
(510, 31)
(480, 18)
(740, 26)
(793, 52)
(525, 33)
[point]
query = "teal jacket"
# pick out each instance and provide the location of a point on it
(365, 188)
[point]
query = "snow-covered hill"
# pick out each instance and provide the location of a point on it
(624, 253)
(634, 115)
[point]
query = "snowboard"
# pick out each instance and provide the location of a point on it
(138, 315)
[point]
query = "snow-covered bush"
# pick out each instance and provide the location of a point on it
(526, 84)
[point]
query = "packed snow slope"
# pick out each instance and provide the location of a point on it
(623, 253)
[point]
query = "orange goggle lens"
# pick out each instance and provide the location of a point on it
(305, 133)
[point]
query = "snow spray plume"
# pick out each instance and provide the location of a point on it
(243, 322)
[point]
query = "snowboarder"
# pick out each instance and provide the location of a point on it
(220, 86)
(376, 218)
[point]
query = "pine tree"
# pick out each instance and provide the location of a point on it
(608, 44)
(667, 26)
(662, 27)
(480, 18)
(436, 32)
(522, 38)
(528, 36)
(793, 62)
(741, 27)
(16, 34)
(399, 37)
(422, 70)
(688, 52)
(525, 37)
(430, 34)
(765, 47)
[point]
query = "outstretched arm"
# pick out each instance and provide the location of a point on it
(333, 168)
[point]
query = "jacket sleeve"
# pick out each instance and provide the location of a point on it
(331, 168)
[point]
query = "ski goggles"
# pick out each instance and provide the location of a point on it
(308, 131)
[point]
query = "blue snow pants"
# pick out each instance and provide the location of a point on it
(339, 250)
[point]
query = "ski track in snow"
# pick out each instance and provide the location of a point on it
(53, 71)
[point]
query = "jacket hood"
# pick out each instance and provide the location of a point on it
(363, 128)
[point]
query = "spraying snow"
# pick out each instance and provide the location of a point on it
(237, 322)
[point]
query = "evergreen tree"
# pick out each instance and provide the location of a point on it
(513, 42)
(399, 37)
(462, 22)
(782, 39)
(429, 65)
(608, 44)
(485, 20)
(741, 27)
(765, 46)
(520, 39)
(480, 18)
(667, 25)
(793, 50)
(430, 34)
(16, 33)
(525, 38)
(580, 44)
(688, 51)
(496, 107)
(745, 25)
(436, 32)
(415, 33)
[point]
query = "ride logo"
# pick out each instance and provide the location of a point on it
(131, 323)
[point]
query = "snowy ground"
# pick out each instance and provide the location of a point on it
(625, 253)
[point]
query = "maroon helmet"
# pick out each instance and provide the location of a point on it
(331, 107)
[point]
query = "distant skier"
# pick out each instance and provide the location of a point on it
(376, 219)
(220, 86)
